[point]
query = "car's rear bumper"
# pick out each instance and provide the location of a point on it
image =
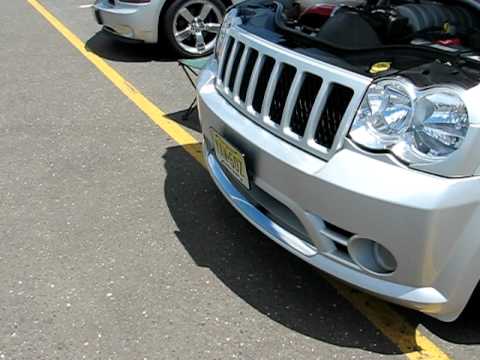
(307, 205)
(130, 21)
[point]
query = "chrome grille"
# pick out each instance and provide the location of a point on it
(304, 101)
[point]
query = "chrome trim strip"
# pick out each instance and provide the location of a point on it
(335, 237)
(272, 84)
(316, 113)
(231, 60)
(222, 59)
(253, 82)
(241, 70)
(291, 100)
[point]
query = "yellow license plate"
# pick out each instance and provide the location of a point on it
(232, 159)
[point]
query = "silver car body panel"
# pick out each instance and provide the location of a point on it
(430, 223)
(132, 21)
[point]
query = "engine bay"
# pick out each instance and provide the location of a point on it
(372, 24)
(431, 41)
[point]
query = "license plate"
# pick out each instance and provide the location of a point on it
(232, 159)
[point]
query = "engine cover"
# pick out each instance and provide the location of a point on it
(427, 16)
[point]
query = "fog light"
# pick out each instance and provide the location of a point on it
(371, 255)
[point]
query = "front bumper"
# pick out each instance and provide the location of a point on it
(130, 21)
(429, 223)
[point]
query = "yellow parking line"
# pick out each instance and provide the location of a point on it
(408, 339)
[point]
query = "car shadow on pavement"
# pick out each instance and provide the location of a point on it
(267, 277)
(109, 47)
(190, 121)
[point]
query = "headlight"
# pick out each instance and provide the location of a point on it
(231, 18)
(419, 127)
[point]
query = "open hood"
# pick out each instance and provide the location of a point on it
(473, 3)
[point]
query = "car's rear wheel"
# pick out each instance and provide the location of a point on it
(191, 26)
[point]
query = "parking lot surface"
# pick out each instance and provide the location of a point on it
(115, 243)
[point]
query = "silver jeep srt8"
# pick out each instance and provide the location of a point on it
(349, 133)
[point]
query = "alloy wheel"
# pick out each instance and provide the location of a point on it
(196, 25)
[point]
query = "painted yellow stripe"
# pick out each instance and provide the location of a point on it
(408, 339)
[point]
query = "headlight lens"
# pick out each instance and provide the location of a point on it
(419, 127)
(231, 18)
(384, 115)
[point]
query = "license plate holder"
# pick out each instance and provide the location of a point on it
(231, 158)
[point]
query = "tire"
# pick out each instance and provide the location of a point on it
(191, 26)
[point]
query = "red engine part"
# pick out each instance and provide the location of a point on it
(315, 16)
(449, 42)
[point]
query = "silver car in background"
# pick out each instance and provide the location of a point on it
(189, 26)
(358, 154)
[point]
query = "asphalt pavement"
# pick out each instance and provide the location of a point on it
(115, 243)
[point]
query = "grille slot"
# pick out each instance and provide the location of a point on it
(297, 99)
(304, 104)
(281, 92)
(262, 83)
(226, 57)
(332, 115)
(236, 62)
(252, 59)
